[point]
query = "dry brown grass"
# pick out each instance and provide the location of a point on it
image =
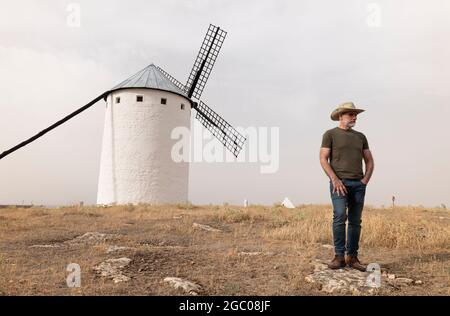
(408, 241)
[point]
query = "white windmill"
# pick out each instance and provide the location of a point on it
(136, 164)
(141, 112)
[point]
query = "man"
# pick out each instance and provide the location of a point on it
(341, 155)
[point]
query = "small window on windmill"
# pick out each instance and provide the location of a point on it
(163, 101)
(117, 99)
(139, 98)
(182, 106)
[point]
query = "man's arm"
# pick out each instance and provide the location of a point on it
(338, 186)
(370, 165)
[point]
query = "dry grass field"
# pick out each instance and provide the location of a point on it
(406, 241)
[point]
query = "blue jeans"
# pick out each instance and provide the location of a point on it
(354, 201)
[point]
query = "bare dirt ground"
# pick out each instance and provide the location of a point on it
(259, 250)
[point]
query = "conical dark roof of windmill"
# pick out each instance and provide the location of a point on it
(150, 77)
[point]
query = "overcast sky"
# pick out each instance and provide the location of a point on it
(284, 64)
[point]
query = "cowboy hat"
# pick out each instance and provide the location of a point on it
(344, 108)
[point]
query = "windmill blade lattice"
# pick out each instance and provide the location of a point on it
(204, 62)
(220, 128)
(172, 79)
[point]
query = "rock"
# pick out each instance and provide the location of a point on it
(187, 286)
(391, 276)
(116, 249)
(120, 278)
(177, 217)
(111, 268)
(206, 227)
(343, 281)
(403, 281)
(328, 246)
(255, 253)
(92, 237)
(166, 247)
(88, 238)
(418, 282)
(243, 253)
(46, 246)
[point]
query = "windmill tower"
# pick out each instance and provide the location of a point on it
(136, 164)
(141, 112)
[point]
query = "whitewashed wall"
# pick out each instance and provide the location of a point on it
(136, 164)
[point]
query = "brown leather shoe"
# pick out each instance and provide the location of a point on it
(353, 262)
(337, 263)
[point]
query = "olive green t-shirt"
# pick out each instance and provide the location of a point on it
(346, 152)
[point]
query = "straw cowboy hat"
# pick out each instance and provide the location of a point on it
(344, 108)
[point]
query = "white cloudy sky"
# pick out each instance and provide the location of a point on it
(284, 64)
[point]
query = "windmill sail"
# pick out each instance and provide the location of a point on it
(53, 126)
(172, 79)
(205, 61)
(220, 128)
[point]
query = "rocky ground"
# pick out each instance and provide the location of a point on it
(212, 250)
